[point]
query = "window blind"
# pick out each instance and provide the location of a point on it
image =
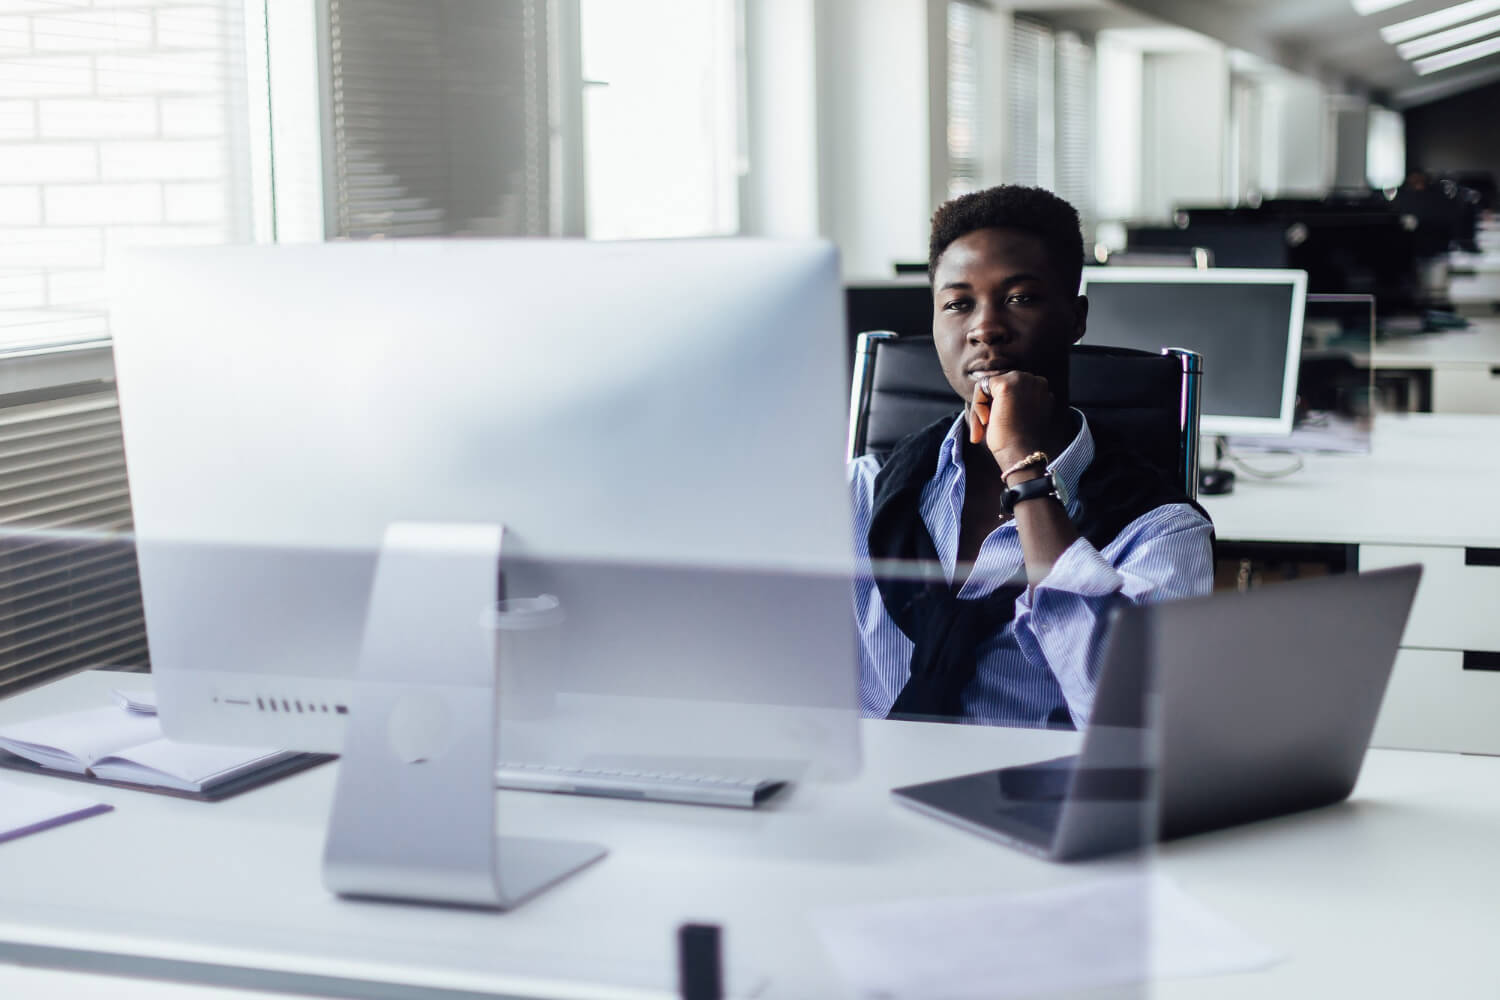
(69, 590)
(1029, 132)
(1074, 170)
(437, 117)
(964, 122)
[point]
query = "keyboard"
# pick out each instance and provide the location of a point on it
(652, 786)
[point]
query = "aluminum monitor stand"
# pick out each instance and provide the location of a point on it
(414, 808)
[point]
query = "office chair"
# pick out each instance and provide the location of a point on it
(1151, 400)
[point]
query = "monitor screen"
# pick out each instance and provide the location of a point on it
(900, 305)
(658, 426)
(1246, 323)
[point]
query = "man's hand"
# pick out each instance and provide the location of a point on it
(1016, 412)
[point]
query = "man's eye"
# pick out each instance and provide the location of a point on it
(1022, 298)
(956, 305)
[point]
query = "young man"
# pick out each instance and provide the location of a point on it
(994, 545)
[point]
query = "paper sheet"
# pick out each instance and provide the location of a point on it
(1108, 932)
(24, 809)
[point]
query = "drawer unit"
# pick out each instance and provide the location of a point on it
(1458, 601)
(1434, 703)
(1466, 389)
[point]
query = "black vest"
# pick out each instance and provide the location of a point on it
(1117, 487)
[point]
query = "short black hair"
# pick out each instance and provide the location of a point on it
(1013, 206)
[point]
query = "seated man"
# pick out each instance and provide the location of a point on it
(991, 605)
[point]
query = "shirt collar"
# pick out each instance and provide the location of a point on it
(1066, 468)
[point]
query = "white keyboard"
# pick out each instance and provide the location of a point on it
(654, 786)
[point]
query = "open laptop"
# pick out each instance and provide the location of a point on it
(1210, 712)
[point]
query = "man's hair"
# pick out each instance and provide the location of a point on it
(1032, 210)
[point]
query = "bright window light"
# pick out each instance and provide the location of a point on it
(1405, 31)
(1367, 7)
(1455, 57)
(1429, 44)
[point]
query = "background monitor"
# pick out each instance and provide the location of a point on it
(900, 305)
(659, 426)
(1246, 322)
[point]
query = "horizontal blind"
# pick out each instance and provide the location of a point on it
(1029, 144)
(964, 123)
(437, 117)
(69, 591)
(1075, 124)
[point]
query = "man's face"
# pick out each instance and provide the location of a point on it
(999, 305)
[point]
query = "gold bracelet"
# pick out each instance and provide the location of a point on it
(1034, 459)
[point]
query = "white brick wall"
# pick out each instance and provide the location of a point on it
(116, 118)
(93, 118)
(101, 204)
(20, 205)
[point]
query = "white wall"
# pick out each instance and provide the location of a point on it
(874, 165)
(1296, 144)
(124, 126)
(779, 196)
(1185, 127)
(1117, 192)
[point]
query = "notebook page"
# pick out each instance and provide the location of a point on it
(24, 809)
(74, 740)
(184, 766)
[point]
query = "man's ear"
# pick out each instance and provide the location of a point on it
(1081, 314)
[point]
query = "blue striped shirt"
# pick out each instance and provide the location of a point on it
(1048, 656)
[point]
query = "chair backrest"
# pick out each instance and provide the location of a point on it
(1152, 400)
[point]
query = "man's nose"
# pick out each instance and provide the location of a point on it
(987, 327)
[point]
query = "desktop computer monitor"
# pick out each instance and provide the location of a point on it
(901, 305)
(1246, 322)
(659, 427)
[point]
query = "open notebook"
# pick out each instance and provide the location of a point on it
(120, 745)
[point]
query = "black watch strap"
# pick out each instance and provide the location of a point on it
(1041, 486)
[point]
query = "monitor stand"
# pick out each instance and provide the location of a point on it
(414, 809)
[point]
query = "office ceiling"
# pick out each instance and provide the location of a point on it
(1322, 38)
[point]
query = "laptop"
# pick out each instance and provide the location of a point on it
(1258, 704)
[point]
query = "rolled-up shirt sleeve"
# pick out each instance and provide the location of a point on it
(1163, 555)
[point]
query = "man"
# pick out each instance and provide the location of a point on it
(997, 543)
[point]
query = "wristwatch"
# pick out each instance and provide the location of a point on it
(1041, 486)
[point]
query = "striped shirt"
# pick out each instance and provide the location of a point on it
(1048, 657)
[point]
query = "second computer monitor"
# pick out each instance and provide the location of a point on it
(1247, 324)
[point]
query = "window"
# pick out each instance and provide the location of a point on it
(121, 125)
(436, 123)
(662, 123)
(965, 121)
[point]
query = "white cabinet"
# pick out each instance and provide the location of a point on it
(1469, 388)
(1445, 692)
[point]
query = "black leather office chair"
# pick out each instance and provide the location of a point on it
(1152, 400)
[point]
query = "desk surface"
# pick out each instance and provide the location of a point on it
(1477, 345)
(1448, 461)
(1390, 894)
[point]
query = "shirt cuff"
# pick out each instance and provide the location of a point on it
(1080, 570)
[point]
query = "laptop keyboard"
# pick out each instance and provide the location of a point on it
(652, 786)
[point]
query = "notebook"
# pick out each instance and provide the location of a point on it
(122, 744)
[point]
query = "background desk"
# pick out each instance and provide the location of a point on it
(1429, 492)
(1389, 895)
(1462, 367)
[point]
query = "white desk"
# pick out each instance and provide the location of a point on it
(1389, 895)
(1448, 468)
(1463, 364)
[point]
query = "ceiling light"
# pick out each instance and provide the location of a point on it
(1404, 31)
(1454, 57)
(1428, 44)
(1366, 7)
